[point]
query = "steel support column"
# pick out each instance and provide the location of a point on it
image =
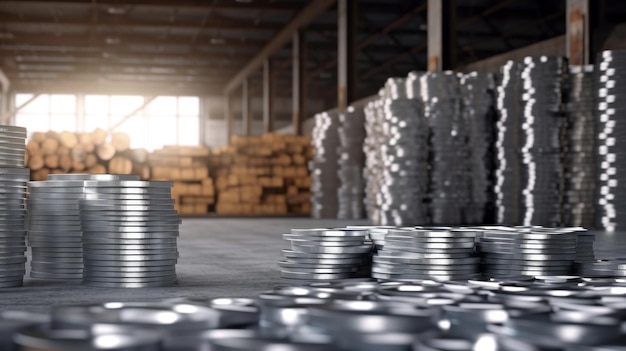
(441, 35)
(268, 97)
(577, 32)
(228, 116)
(246, 113)
(298, 83)
(346, 53)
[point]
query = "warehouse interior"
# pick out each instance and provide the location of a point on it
(402, 175)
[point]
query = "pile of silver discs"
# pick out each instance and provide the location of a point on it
(610, 88)
(130, 231)
(581, 161)
(449, 179)
(350, 162)
(372, 147)
(534, 251)
(477, 91)
(542, 96)
(326, 254)
(404, 177)
(13, 188)
(441, 254)
(54, 228)
(323, 167)
(508, 129)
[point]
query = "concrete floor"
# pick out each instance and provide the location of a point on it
(218, 257)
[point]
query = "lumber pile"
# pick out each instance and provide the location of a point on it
(266, 175)
(188, 168)
(94, 153)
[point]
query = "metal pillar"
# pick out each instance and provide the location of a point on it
(268, 97)
(246, 114)
(577, 32)
(441, 35)
(347, 49)
(298, 83)
(228, 116)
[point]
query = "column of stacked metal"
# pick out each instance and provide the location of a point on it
(542, 173)
(404, 155)
(13, 177)
(449, 186)
(130, 231)
(54, 227)
(325, 180)
(372, 145)
(477, 91)
(351, 161)
(508, 129)
(610, 109)
(580, 158)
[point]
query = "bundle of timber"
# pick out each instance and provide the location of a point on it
(263, 175)
(96, 152)
(187, 167)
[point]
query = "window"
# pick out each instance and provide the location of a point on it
(47, 112)
(166, 120)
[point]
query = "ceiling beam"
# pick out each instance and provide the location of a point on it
(302, 19)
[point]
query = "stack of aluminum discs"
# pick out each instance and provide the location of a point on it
(372, 146)
(610, 80)
(542, 171)
(417, 254)
(508, 129)
(449, 188)
(129, 231)
(351, 161)
(584, 245)
(13, 189)
(54, 230)
(323, 167)
(404, 155)
(512, 252)
(326, 255)
(477, 91)
(580, 159)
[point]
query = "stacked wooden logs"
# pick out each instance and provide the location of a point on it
(97, 152)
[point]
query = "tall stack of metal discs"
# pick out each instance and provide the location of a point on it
(449, 189)
(13, 188)
(372, 146)
(477, 91)
(508, 130)
(326, 255)
(351, 161)
(325, 180)
(580, 167)
(512, 252)
(54, 228)
(610, 87)
(404, 155)
(130, 229)
(542, 170)
(418, 254)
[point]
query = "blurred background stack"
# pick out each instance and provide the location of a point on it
(324, 175)
(351, 193)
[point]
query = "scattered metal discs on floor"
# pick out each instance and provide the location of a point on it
(411, 254)
(326, 255)
(54, 227)
(114, 214)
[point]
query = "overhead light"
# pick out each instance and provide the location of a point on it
(112, 40)
(7, 36)
(116, 10)
(217, 41)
